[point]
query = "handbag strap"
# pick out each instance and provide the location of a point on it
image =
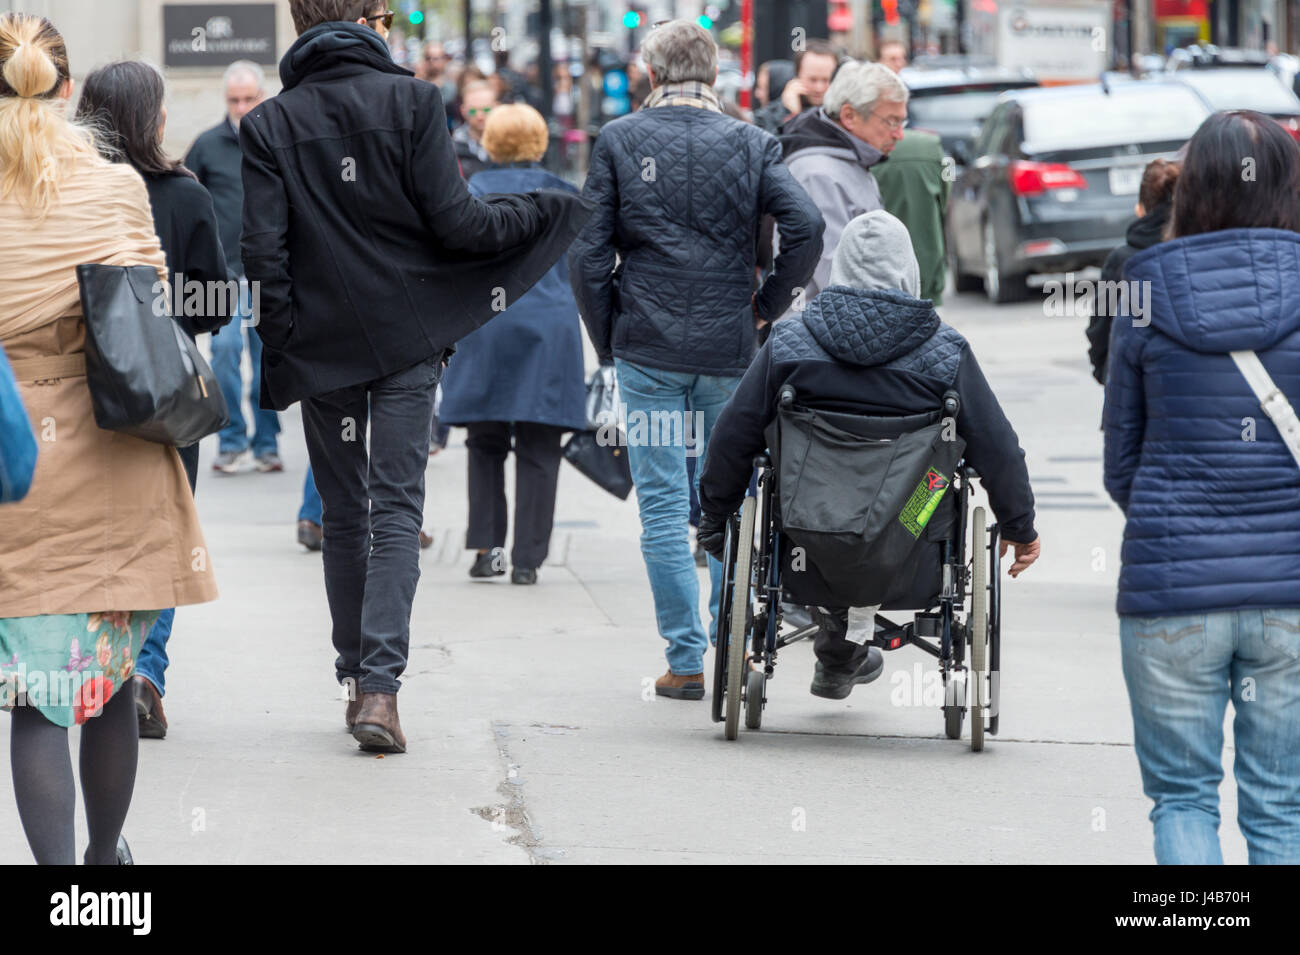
(50, 367)
(1271, 399)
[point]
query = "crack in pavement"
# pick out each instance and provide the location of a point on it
(513, 814)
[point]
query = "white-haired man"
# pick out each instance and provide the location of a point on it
(216, 158)
(680, 189)
(830, 151)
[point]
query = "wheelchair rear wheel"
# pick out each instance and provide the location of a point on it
(755, 686)
(739, 623)
(978, 625)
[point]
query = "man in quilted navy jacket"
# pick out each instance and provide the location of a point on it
(867, 345)
(680, 190)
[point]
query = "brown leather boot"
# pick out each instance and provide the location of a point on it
(353, 708)
(681, 686)
(377, 728)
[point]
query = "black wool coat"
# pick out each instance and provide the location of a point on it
(369, 252)
(187, 228)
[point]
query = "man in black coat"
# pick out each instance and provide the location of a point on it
(868, 345)
(680, 189)
(371, 260)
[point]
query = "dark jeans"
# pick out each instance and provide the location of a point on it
(373, 509)
(537, 471)
(830, 644)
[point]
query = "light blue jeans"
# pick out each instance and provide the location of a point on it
(1181, 671)
(657, 456)
(227, 362)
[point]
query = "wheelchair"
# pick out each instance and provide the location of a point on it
(963, 614)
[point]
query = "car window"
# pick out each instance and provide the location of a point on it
(967, 106)
(1246, 89)
(993, 131)
(1136, 116)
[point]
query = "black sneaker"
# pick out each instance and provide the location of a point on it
(838, 684)
(523, 575)
(491, 564)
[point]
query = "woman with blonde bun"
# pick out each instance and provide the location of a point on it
(108, 536)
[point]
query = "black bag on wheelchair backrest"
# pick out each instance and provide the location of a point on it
(856, 492)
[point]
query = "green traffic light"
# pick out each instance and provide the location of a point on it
(705, 21)
(417, 17)
(631, 19)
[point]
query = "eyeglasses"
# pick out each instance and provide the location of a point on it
(891, 123)
(386, 16)
(481, 109)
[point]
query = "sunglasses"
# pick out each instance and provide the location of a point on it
(482, 109)
(386, 16)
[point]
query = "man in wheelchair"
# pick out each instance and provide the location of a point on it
(866, 346)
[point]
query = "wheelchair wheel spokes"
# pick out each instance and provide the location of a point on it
(977, 624)
(739, 622)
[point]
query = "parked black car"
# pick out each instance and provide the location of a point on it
(1054, 179)
(955, 102)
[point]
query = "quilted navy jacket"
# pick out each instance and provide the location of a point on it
(879, 352)
(1213, 516)
(680, 192)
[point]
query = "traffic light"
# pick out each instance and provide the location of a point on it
(890, 9)
(416, 17)
(632, 19)
(705, 21)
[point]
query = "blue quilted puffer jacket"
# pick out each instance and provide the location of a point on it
(680, 195)
(1213, 516)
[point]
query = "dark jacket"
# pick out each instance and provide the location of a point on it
(1141, 234)
(370, 253)
(216, 158)
(679, 194)
(1211, 493)
(875, 353)
(525, 364)
(187, 227)
(472, 157)
(914, 188)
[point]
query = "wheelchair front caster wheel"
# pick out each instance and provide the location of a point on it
(954, 709)
(755, 685)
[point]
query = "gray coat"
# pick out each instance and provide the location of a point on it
(834, 168)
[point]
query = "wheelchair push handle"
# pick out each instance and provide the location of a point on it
(951, 404)
(787, 396)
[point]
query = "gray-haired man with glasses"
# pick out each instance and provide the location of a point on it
(830, 151)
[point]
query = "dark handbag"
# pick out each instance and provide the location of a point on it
(17, 443)
(600, 452)
(146, 376)
(604, 463)
(857, 491)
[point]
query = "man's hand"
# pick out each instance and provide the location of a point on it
(712, 534)
(791, 96)
(1026, 554)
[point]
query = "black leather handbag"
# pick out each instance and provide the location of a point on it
(146, 376)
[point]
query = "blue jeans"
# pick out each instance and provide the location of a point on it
(1181, 671)
(663, 494)
(311, 502)
(227, 354)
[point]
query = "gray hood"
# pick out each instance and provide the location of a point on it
(875, 252)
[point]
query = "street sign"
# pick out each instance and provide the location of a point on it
(1059, 42)
(217, 34)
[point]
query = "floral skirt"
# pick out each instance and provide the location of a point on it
(69, 665)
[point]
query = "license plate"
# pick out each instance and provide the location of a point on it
(1125, 180)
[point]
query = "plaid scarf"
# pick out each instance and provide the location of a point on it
(689, 93)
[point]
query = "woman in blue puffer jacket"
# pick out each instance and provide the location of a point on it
(1209, 590)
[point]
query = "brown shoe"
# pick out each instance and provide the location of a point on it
(149, 709)
(377, 728)
(353, 708)
(681, 686)
(310, 535)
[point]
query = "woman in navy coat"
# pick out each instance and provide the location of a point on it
(1209, 587)
(518, 377)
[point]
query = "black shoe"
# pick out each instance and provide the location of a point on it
(310, 535)
(837, 684)
(491, 564)
(523, 575)
(124, 852)
(148, 709)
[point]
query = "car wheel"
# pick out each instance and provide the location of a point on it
(999, 286)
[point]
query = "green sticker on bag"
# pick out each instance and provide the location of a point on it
(921, 505)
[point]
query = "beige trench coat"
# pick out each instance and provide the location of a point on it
(109, 524)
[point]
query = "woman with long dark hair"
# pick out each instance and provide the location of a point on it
(123, 102)
(1209, 589)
